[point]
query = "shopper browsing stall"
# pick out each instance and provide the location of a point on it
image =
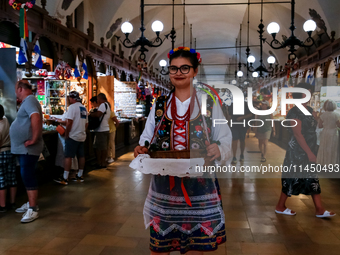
(60, 158)
(75, 136)
(102, 133)
(194, 208)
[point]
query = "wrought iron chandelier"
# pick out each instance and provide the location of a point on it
(157, 26)
(292, 42)
(261, 69)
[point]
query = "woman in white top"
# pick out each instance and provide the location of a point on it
(185, 214)
(329, 137)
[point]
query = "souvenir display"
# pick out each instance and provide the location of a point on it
(125, 98)
(56, 92)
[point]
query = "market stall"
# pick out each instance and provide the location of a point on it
(130, 115)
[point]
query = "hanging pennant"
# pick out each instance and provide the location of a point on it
(76, 69)
(85, 75)
(37, 57)
(22, 59)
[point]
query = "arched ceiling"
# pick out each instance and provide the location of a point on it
(212, 26)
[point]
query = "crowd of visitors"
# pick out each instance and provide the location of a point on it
(22, 143)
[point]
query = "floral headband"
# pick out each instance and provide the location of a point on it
(193, 51)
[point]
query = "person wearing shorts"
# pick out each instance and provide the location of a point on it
(75, 136)
(27, 143)
(102, 133)
(238, 130)
(8, 178)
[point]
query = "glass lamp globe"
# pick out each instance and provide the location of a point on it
(255, 74)
(239, 74)
(233, 82)
(157, 26)
(251, 59)
(127, 27)
(273, 28)
(309, 26)
(271, 60)
(162, 63)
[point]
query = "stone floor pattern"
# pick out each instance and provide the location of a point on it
(103, 215)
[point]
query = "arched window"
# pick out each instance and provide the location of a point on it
(79, 17)
(69, 58)
(9, 33)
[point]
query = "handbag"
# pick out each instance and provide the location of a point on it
(95, 122)
(61, 130)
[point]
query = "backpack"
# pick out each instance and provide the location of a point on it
(95, 122)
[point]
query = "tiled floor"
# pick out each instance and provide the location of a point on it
(104, 215)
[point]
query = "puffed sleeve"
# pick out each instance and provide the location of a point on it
(149, 127)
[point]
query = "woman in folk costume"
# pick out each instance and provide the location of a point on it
(185, 214)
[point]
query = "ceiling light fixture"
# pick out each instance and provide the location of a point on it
(127, 28)
(291, 42)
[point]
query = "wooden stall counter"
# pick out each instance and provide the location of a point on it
(129, 132)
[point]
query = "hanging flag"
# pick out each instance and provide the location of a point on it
(37, 57)
(76, 69)
(85, 75)
(22, 59)
(311, 79)
(23, 23)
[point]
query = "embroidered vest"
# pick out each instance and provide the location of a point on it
(195, 134)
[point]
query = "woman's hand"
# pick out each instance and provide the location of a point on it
(140, 150)
(213, 151)
(311, 157)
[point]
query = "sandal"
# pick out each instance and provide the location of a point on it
(286, 212)
(326, 214)
(263, 159)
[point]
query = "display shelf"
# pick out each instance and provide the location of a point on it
(56, 96)
(125, 98)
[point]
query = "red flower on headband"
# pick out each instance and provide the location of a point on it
(169, 55)
(180, 48)
(198, 55)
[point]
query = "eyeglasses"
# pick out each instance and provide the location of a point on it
(185, 69)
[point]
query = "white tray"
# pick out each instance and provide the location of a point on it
(167, 166)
